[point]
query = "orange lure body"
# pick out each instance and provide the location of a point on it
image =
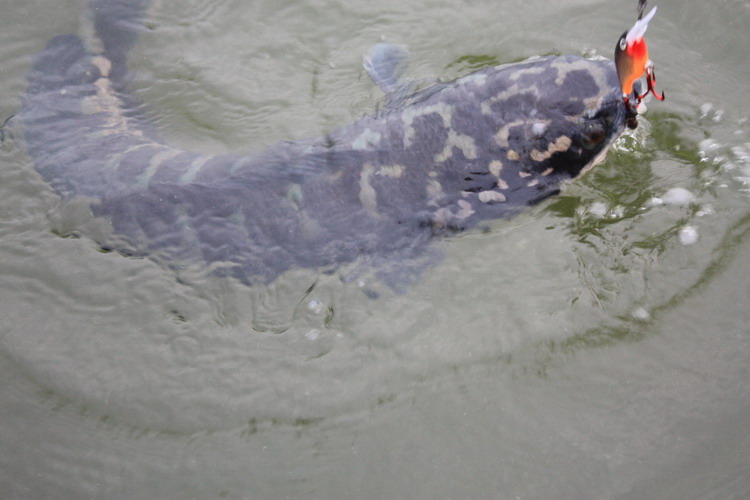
(634, 64)
(632, 61)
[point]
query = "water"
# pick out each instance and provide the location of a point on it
(594, 347)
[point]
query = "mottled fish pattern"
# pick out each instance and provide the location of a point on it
(481, 147)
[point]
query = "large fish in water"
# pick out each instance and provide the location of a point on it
(441, 159)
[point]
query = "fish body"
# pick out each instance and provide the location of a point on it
(442, 159)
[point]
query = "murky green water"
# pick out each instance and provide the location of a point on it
(596, 346)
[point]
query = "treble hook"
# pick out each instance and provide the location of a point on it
(650, 82)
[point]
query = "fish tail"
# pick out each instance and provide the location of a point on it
(117, 25)
(73, 116)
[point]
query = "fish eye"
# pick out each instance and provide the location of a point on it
(593, 135)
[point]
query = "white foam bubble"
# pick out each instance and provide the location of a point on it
(707, 146)
(655, 202)
(315, 306)
(598, 209)
(678, 196)
(617, 212)
(538, 129)
(641, 314)
(705, 210)
(688, 235)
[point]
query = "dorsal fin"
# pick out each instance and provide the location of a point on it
(385, 63)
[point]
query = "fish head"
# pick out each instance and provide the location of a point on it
(561, 122)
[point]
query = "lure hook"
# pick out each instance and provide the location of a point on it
(650, 82)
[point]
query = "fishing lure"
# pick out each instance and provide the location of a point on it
(632, 61)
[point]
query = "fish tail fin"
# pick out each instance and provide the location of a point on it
(72, 113)
(117, 25)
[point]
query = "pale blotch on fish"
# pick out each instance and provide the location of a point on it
(560, 145)
(491, 197)
(478, 79)
(193, 169)
(501, 137)
(392, 171)
(526, 72)
(513, 90)
(442, 215)
(465, 209)
(115, 161)
(463, 142)
(433, 190)
(103, 64)
(294, 194)
(496, 167)
(600, 80)
(443, 110)
(155, 162)
(367, 194)
(366, 140)
(105, 101)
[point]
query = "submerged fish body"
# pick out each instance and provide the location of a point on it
(481, 147)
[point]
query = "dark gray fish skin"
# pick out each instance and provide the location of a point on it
(481, 147)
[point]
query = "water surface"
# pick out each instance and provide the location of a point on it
(594, 347)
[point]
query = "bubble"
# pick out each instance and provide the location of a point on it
(313, 334)
(678, 196)
(641, 314)
(538, 129)
(598, 209)
(688, 235)
(705, 210)
(315, 306)
(707, 146)
(617, 212)
(655, 202)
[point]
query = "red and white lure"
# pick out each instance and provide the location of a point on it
(632, 61)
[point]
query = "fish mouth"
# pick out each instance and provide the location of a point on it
(630, 113)
(623, 118)
(599, 158)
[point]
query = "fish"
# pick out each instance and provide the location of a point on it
(430, 162)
